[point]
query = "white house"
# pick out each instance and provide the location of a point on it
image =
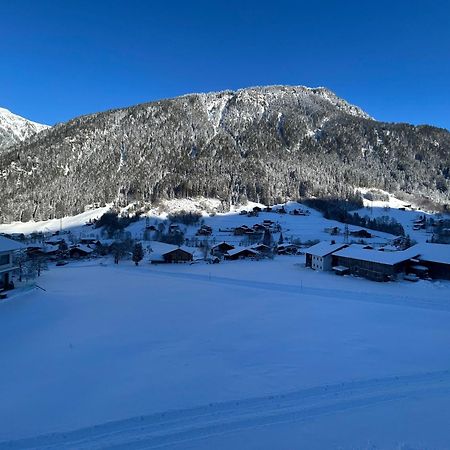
(7, 248)
(319, 256)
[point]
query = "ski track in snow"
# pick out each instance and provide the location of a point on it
(181, 426)
(387, 299)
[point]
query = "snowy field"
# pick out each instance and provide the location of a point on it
(254, 355)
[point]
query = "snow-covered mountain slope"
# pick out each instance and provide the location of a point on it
(14, 128)
(262, 144)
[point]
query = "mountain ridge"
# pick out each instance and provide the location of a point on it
(263, 144)
(15, 128)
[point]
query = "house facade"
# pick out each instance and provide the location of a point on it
(177, 255)
(319, 256)
(7, 268)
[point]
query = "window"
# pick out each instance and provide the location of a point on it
(4, 259)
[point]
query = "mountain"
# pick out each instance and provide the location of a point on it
(14, 128)
(264, 144)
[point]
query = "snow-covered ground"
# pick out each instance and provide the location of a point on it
(303, 228)
(395, 208)
(255, 355)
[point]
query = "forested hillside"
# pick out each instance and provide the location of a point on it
(263, 144)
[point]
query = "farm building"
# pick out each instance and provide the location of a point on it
(80, 251)
(36, 250)
(373, 264)
(242, 253)
(7, 249)
(319, 256)
(435, 257)
(262, 248)
(90, 241)
(287, 249)
(221, 248)
(240, 231)
(204, 230)
(177, 255)
(361, 233)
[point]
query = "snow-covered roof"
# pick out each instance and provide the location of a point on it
(161, 248)
(439, 253)
(8, 245)
(388, 258)
(259, 247)
(55, 239)
(324, 248)
(241, 249)
(49, 248)
(83, 248)
(183, 248)
(340, 268)
(287, 245)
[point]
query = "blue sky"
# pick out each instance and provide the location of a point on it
(62, 59)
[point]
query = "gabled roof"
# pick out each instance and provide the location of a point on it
(183, 249)
(222, 243)
(287, 245)
(84, 248)
(242, 249)
(324, 248)
(259, 247)
(8, 245)
(388, 258)
(439, 253)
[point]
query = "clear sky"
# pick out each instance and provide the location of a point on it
(60, 59)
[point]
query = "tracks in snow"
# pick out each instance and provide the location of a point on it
(182, 426)
(381, 298)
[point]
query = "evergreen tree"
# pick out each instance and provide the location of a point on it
(138, 253)
(267, 238)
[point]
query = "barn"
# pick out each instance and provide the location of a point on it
(436, 257)
(373, 264)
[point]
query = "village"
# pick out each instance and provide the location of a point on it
(283, 231)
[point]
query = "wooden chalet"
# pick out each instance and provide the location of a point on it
(42, 251)
(221, 248)
(80, 251)
(204, 230)
(90, 241)
(287, 249)
(242, 253)
(261, 248)
(177, 255)
(361, 234)
(240, 231)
